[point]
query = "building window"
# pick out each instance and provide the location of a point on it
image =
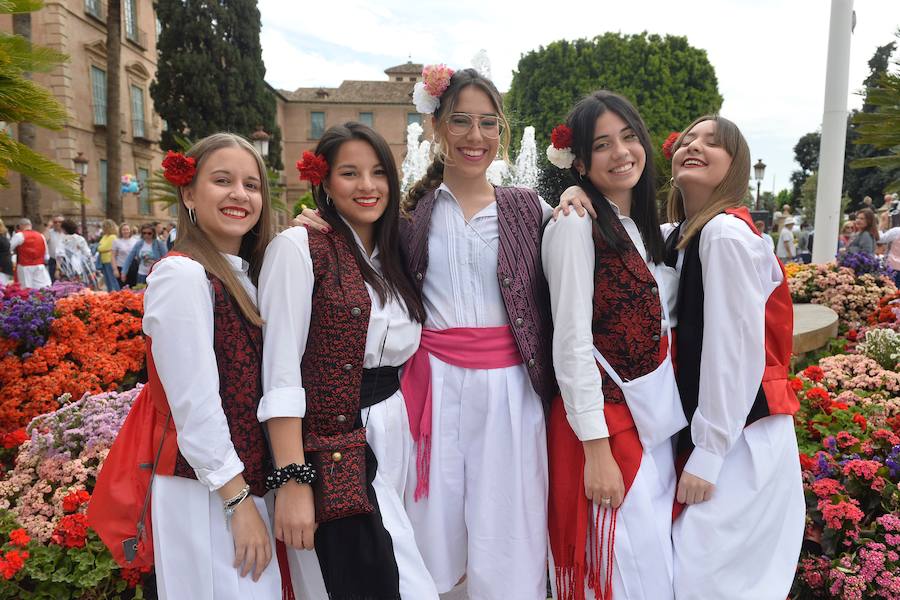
(104, 197)
(366, 118)
(131, 28)
(413, 117)
(398, 79)
(98, 90)
(144, 196)
(316, 125)
(137, 112)
(94, 8)
(173, 210)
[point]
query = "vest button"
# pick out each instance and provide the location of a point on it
(355, 311)
(654, 290)
(519, 322)
(530, 362)
(341, 419)
(506, 281)
(348, 367)
(336, 456)
(656, 337)
(419, 276)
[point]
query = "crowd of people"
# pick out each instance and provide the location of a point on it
(440, 394)
(102, 261)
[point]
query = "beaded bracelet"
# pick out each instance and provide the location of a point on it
(305, 473)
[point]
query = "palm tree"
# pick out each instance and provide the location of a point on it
(113, 113)
(29, 105)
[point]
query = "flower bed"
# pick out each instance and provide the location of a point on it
(84, 342)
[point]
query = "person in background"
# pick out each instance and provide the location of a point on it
(171, 236)
(787, 247)
(763, 231)
(846, 236)
(73, 257)
(31, 254)
(779, 217)
(867, 202)
(147, 251)
(864, 242)
(105, 248)
(804, 249)
(6, 269)
(54, 235)
(890, 241)
(122, 246)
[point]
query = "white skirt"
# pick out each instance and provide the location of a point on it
(485, 517)
(194, 550)
(642, 565)
(743, 543)
(35, 276)
(387, 432)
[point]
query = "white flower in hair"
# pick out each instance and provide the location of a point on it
(561, 158)
(424, 101)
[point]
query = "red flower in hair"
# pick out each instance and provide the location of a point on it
(313, 168)
(561, 137)
(179, 169)
(669, 144)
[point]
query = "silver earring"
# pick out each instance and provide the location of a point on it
(328, 200)
(192, 215)
(672, 182)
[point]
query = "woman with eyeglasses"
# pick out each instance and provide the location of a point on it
(146, 251)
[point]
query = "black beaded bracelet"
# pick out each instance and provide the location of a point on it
(305, 473)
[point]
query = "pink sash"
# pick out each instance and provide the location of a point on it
(466, 347)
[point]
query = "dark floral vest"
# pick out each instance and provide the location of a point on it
(238, 348)
(519, 273)
(332, 364)
(627, 314)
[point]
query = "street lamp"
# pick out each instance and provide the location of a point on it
(261, 141)
(759, 173)
(81, 167)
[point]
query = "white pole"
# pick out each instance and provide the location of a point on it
(834, 132)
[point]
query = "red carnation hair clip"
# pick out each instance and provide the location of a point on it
(313, 168)
(559, 152)
(179, 169)
(668, 147)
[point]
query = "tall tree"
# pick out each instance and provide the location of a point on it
(210, 75)
(30, 192)
(23, 102)
(114, 110)
(669, 81)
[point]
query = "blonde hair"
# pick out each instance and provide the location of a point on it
(195, 243)
(109, 227)
(729, 193)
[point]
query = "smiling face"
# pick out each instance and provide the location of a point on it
(358, 184)
(226, 195)
(700, 162)
(617, 156)
(469, 154)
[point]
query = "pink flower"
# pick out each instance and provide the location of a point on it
(437, 79)
(864, 469)
(844, 510)
(827, 487)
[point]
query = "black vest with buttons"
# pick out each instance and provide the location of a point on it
(332, 365)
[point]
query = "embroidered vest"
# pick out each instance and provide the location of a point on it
(627, 314)
(31, 252)
(238, 348)
(775, 395)
(332, 364)
(519, 273)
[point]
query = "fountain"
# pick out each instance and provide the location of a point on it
(416, 162)
(526, 170)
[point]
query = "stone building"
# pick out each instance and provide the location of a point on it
(306, 113)
(78, 29)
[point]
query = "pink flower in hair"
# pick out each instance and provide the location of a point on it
(437, 79)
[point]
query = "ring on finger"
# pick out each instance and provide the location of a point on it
(606, 501)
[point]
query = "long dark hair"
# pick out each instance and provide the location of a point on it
(394, 280)
(434, 176)
(582, 121)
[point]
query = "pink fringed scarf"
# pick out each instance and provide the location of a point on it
(467, 347)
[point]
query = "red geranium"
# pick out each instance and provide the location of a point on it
(795, 383)
(861, 421)
(74, 500)
(668, 145)
(814, 373)
(179, 169)
(71, 532)
(313, 168)
(807, 462)
(561, 137)
(12, 562)
(15, 439)
(18, 537)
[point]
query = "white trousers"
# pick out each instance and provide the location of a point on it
(387, 431)
(194, 550)
(486, 513)
(642, 565)
(743, 543)
(35, 276)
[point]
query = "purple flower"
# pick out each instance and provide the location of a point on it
(27, 320)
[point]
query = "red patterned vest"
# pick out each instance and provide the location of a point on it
(238, 348)
(31, 251)
(332, 364)
(519, 273)
(627, 314)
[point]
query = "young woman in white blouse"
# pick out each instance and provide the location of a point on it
(611, 457)
(211, 532)
(341, 317)
(739, 535)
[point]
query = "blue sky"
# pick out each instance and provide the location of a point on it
(769, 55)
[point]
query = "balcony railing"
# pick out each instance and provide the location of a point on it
(137, 36)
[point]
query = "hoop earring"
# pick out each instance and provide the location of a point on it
(672, 183)
(328, 200)
(192, 215)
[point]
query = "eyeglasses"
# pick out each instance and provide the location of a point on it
(460, 123)
(146, 233)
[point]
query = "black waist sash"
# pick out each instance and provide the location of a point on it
(377, 385)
